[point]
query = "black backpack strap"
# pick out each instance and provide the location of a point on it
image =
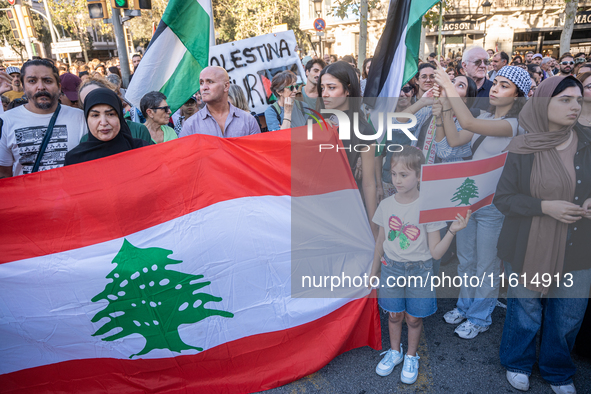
(1, 126)
(46, 139)
(477, 144)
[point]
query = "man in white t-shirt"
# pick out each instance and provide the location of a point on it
(24, 127)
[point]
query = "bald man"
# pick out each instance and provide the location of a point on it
(218, 118)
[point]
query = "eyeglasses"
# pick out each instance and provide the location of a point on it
(291, 87)
(407, 89)
(567, 63)
(424, 77)
(166, 109)
(479, 62)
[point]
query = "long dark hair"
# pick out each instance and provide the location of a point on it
(472, 89)
(347, 76)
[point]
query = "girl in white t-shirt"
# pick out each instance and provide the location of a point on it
(488, 135)
(406, 249)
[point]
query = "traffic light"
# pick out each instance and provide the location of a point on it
(97, 9)
(119, 3)
(142, 4)
(16, 29)
(28, 22)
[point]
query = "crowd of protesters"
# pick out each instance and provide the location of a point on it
(468, 106)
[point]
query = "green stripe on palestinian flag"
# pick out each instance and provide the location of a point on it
(413, 37)
(177, 53)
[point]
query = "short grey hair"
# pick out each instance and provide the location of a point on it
(149, 101)
(114, 79)
(546, 60)
(468, 52)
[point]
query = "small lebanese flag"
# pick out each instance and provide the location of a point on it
(178, 268)
(451, 188)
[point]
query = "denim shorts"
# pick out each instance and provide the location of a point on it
(415, 297)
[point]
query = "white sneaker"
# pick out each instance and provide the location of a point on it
(520, 381)
(565, 389)
(454, 316)
(469, 330)
(391, 359)
(410, 369)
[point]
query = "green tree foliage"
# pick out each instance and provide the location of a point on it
(146, 297)
(6, 33)
(343, 7)
(141, 27)
(240, 19)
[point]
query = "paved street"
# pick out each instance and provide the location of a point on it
(448, 363)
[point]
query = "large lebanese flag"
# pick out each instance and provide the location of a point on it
(451, 188)
(179, 268)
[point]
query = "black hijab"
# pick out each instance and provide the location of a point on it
(95, 149)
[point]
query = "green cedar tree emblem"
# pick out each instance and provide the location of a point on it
(148, 299)
(465, 192)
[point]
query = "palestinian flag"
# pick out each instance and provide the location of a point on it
(451, 188)
(396, 57)
(177, 53)
(184, 273)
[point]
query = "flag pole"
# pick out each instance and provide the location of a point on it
(439, 29)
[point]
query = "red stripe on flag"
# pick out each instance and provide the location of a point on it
(444, 214)
(250, 364)
(81, 205)
(462, 169)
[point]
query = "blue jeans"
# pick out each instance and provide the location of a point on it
(560, 319)
(477, 254)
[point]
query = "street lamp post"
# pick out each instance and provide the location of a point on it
(318, 10)
(486, 11)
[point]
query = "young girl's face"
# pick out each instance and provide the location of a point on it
(565, 107)
(334, 93)
(404, 179)
(461, 85)
(503, 92)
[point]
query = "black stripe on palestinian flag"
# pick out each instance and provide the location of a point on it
(396, 24)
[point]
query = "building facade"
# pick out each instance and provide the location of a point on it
(513, 26)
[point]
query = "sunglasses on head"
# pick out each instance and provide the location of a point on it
(567, 63)
(479, 62)
(291, 87)
(166, 109)
(407, 89)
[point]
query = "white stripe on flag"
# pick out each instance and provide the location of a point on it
(252, 274)
(164, 55)
(393, 83)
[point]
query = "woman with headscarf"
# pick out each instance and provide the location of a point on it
(545, 194)
(108, 131)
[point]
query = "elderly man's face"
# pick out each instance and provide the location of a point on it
(475, 66)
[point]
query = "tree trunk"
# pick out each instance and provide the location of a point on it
(362, 33)
(570, 10)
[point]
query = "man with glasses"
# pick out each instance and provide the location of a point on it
(566, 64)
(218, 118)
(425, 78)
(536, 72)
(475, 62)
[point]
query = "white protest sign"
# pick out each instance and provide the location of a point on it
(251, 64)
(451, 188)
